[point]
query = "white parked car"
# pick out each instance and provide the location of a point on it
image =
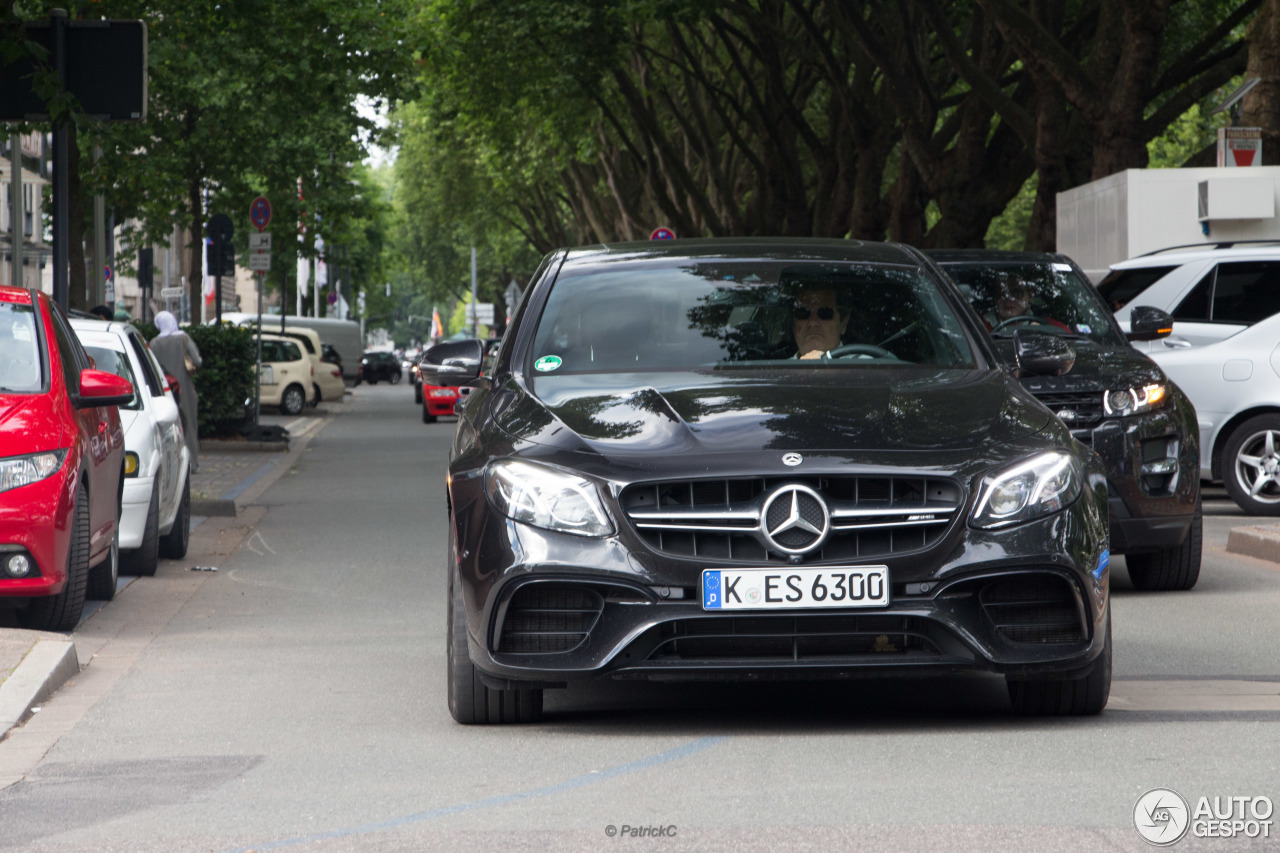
(155, 518)
(1213, 290)
(1235, 387)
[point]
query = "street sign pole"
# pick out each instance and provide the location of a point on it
(61, 185)
(260, 216)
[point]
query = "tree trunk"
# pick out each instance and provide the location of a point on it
(195, 279)
(1261, 107)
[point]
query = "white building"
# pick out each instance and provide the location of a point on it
(35, 252)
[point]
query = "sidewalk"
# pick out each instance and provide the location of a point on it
(231, 475)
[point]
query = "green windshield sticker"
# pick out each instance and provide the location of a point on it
(547, 363)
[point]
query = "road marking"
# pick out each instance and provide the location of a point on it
(244, 484)
(591, 778)
(1194, 695)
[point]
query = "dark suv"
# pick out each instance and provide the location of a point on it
(377, 365)
(1115, 400)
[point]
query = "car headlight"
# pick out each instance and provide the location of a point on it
(18, 471)
(1036, 487)
(546, 498)
(1134, 401)
(442, 392)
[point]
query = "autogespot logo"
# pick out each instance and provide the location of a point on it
(1162, 817)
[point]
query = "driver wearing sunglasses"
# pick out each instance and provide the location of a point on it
(818, 322)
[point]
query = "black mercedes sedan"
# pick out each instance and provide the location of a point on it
(750, 460)
(1115, 399)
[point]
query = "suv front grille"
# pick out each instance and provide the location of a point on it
(721, 519)
(790, 638)
(1076, 409)
(1034, 608)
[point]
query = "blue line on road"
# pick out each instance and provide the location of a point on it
(247, 482)
(592, 778)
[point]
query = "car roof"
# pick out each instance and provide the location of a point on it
(772, 248)
(15, 294)
(943, 257)
(1178, 255)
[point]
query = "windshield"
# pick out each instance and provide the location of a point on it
(720, 314)
(1044, 296)
(114, 361)
(19, 349)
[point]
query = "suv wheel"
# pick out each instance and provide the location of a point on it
(1172, 568)
(471, 702)
(1251, 465)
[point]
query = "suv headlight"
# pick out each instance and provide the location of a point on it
(1134, 401)
(1039, 486)
(547, 498)
(18, 471)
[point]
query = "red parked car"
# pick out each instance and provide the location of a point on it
(61, 465)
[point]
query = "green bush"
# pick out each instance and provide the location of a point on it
(225, 378)
(228, 360)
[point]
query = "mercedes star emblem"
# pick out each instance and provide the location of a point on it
(795, 520)
(792, 459)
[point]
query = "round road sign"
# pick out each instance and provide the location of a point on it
(333, 298)
(662, 233)
(260, 213)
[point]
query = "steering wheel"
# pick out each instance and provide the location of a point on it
(1029, 319)
(861, 349)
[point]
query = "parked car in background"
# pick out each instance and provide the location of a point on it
(155, 517)
(1212, 291)
(650, 484)
(1235, 385)
(326, 378)
(343, 336)
(287, 373)
(1114, 400)
(61, 465)
(379, 366)
(438, 397)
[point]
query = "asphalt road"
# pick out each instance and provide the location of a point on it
(295, 699)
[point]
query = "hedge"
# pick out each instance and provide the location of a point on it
(225, 378)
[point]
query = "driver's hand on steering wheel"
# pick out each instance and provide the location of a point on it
(815, 353)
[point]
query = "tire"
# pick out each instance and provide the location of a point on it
(142, 562)
(1251, 460)
(471, 702)
(173, 545)
(1174, 568)
(103, 577)
(427, 417)
(61, 612)
(315, 401)
(1043, 697)
(293, 400)
(417, 393)
(394, 379)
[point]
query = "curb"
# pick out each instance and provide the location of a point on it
(212, 506)
(48, 666)
(1260, 542)
(216, 445)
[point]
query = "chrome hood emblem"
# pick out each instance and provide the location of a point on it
(795, 520)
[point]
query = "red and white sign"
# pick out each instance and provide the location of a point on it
(662, 233)
(260, 213)
(1239, 146)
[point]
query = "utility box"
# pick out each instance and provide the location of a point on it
(1137, 211)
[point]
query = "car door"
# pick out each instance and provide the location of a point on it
(164, 410)
(1227, 299)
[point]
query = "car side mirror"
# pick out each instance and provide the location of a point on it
(1149, 324)
(99, 388)
(452, 363)
(1040, 354)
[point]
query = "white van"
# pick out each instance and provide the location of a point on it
(342, 335)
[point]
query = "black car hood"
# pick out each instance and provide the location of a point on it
(1098, 367)
(811, 410)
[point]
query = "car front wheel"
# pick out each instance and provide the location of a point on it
(1044, 697)
(471, 702)
(173, 545)
(1251, 469)
(103, 577)
(142, 562)
(61, 612)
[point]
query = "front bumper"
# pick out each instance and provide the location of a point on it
(438, 403)
(37, 519)
(135, 504)
(547, 608)
(1153, 477)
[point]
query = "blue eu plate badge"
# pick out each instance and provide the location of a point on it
(711, 590)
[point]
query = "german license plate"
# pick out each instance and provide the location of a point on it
(788, 589)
